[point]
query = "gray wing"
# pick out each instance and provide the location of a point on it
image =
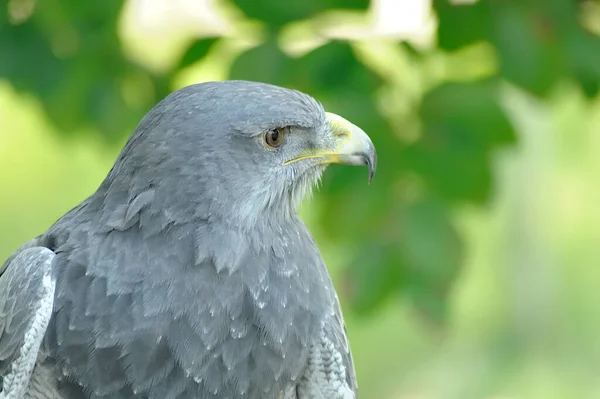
(330, 373)
(26, 302)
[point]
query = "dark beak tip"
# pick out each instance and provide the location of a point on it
(372, 169)
(371, 162)
(371, 174)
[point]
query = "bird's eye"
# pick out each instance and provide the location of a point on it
(274, 138)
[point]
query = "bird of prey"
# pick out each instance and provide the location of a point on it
(188, 273)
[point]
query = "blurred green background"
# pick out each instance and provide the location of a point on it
(470, 266)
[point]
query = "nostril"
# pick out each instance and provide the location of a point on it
(341, 136)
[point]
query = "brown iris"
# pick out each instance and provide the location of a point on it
(274, 138)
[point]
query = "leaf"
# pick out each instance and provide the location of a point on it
(429, 242)
(29, 53)
(345, 4)
(584, 55)
(462, 124)
(264, 63)
(195, 52)
(372, 278)
(474, 104)
(460, 25)
(68, 54)
(333, 67)
(277, 14)
(429, 302)
(416, 252)
(432, 253)
(355, 210)
(528, 44)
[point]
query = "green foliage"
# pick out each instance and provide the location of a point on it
(264, 63)
(69, 55)
(196, 51)
(463, 125)
(276, 14)
(538, 42)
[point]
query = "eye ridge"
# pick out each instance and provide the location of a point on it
(274, 137)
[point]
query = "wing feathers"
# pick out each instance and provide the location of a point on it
(26, 302)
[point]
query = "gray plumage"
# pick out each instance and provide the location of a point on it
(188, 273)
(27, 296)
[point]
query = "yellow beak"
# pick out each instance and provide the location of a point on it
(354, 147)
